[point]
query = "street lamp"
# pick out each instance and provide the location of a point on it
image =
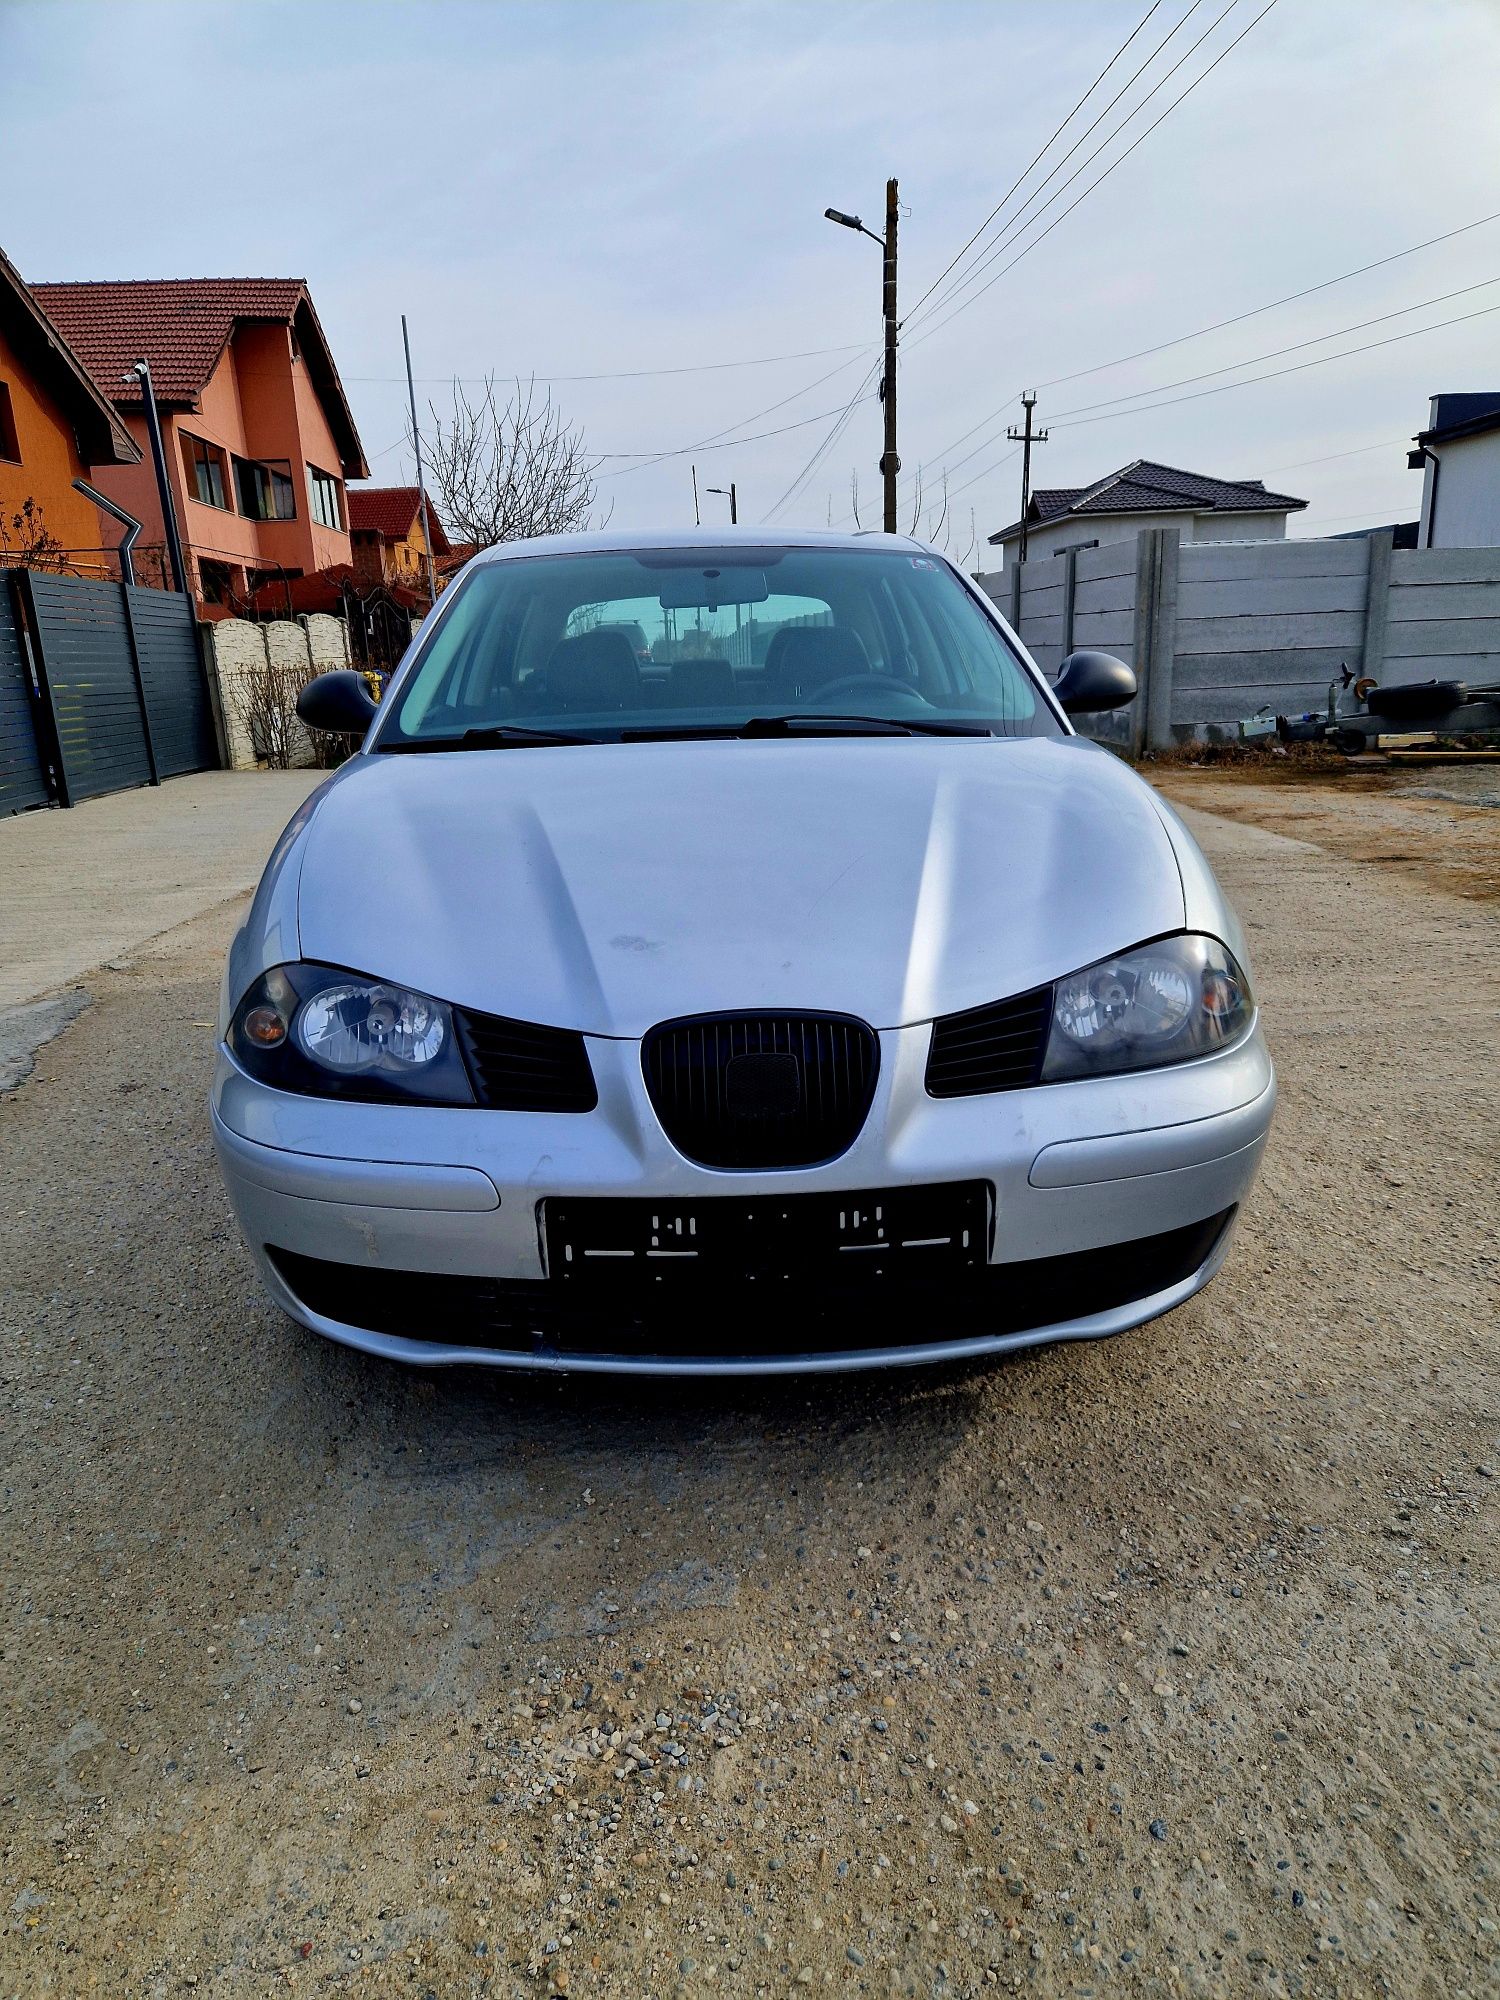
(890, 464)
(731, 494)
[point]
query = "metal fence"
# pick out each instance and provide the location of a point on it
(102, 687)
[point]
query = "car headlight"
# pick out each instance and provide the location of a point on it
(328, 1033)
(1161, 1003)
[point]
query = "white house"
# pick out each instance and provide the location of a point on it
(1147, 495)
(1459, 458)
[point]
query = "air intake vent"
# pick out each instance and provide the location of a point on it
(990, 1048)
(762, 1090)
(517, 1066)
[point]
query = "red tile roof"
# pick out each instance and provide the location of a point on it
(324, 591)
(182, 326)
(42, 345)
(391, 511)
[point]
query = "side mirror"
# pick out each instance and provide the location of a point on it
(338, 702)
(1092, 682)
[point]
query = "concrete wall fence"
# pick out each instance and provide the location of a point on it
(1217, 630)
(242, 652)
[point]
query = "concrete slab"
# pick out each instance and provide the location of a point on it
(81, 887)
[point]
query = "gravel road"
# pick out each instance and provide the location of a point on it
(1162, 1666)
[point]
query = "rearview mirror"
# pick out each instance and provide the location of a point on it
(707, 589)
(1092, 682)
(338, 702)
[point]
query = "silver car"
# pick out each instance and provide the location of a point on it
(805, 995)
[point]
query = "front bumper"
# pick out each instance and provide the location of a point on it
(458, 1194)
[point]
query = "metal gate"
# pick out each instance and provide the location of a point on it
(117, 691)
(23, 769)
(176, 688)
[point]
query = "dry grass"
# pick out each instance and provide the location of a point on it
(1268, 763)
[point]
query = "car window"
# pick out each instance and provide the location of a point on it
(699, 639)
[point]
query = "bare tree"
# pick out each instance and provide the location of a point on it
(505, 469)
(27, 543)
(264, 697)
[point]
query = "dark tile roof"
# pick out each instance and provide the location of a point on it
(182, 326)
(391, 511)
(1462, 416)
(1146, 487)
(42, 345)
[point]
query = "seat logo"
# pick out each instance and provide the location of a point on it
(760, 1087)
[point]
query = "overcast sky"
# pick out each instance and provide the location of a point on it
(578, 189)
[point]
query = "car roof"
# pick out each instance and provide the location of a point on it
(620, 541)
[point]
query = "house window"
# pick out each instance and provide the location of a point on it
(10, 444)
(265, 491)
(205, 471)
(324, 489)
(215, 581)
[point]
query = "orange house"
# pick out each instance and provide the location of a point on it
(385, 526)
(54, 425)
(259, 437)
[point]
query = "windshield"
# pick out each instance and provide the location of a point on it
(701, 641)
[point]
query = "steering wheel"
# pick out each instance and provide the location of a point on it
(881, 684)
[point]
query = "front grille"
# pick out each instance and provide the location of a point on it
(516, 1316)
(518, 1066)
(762, 1090)
(999, 1047)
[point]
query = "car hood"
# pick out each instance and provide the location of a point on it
(610, 887)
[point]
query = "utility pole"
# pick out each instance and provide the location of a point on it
(416, 445)
(890, 463)
(1026, 439)
(142, 370)
(697, 517)
(731, 494)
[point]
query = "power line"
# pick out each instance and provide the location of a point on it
(1038, 157)
(835, 433)
(1296, 465)
(1014, 224)
(1218, 326)
(1119, 161)
(725, 438)
(629, 374)
(682, 451)
(1272, 374)
(1291, 298)
(1275, 354)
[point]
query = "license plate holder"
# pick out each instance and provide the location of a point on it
(863, 1237)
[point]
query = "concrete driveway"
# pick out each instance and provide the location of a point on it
(90, 886)
(81, 887)
(1163, 1666)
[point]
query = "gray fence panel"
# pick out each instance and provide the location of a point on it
(23, 773)
(91, 672)
(1445, 566)
(182, 727)
(1229, 562)
(1217, 630)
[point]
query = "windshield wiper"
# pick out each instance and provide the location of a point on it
(805, 722)
(493, 736)
(808, 721)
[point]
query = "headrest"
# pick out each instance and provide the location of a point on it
(803, 658)
(594, 670)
